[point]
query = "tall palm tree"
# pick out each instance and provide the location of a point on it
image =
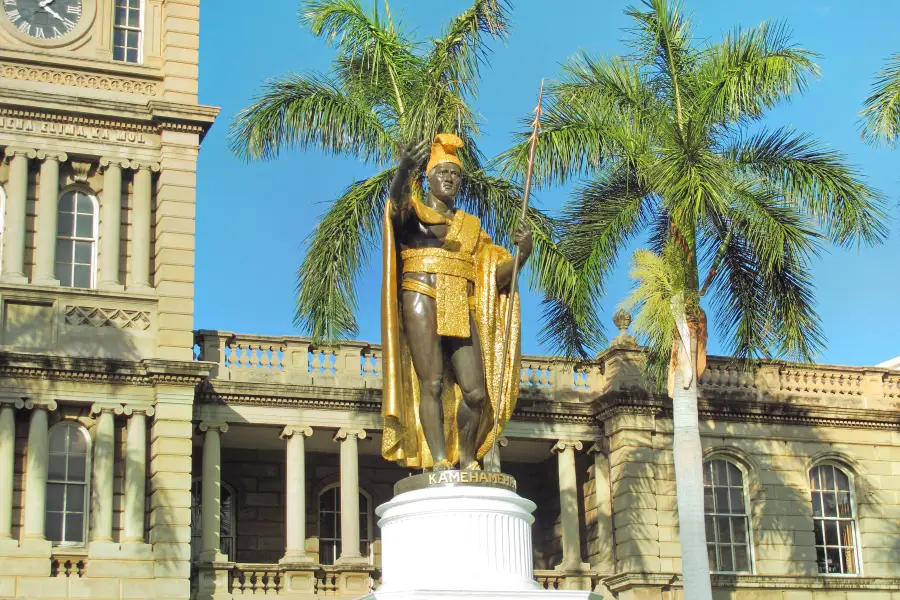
(384, 90)
(668, 140)
(881, 113)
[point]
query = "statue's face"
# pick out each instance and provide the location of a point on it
(444, 181)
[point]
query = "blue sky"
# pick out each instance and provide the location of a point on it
(252, 219)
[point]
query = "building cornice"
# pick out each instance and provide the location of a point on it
(147, 373)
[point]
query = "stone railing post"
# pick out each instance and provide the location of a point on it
(350, 553)
(212, 349)
(111, 224)
(104, 471)
(13, 266)
(295, 548)
(605, 535)
(46, 222)
(568, 506)
(136, 473)
(211, 492)
(7, 463)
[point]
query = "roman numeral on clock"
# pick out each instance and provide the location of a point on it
(69, 24)
(9, 3)
(12, 15)
(25, 27)
(75, 9)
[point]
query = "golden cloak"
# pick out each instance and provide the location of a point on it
(403, 440)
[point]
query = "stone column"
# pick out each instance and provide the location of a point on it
(136, 474)
(111, 223)
(350, 553)
(568, 505)
(605, 535)
(211, 492)
(103, 468)
(13, 267)
(36, 470)
(140, 227)
(45, 226)
(295, 548)
(7, 463)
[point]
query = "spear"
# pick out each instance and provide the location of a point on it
(514, 280)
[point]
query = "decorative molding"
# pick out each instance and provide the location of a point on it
(91, 316)
(110, 407)
(219, 426)
(10, 152)
(71, 126)
(80, 170)
(60, 157)
(563, 445)
(291, 430)
(346, 434)
(111, 83)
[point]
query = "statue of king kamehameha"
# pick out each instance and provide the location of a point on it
(444, 301)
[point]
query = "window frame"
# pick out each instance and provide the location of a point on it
(233, 536)
(142, 6)
(745, 490)
(854, 515)
(370, 539)
(88, 479)
(80, 189)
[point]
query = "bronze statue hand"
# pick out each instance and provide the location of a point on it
(411, 157)
(524, 239)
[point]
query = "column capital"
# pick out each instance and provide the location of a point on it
(39, 404)
(502, 441)
(563, 445)
(345, 434)
(102, 407)
(220, 426)
(145, 166)
(52, 155)
(600, 446)
(291, 430)
(114, 161)
(12, 402)
(11, 152)
(139, 410)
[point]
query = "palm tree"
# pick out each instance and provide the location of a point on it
(668, 140)
(881, 114)
(384, 90)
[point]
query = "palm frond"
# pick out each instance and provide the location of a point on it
(752, 70)
(308, 111)
(458, 55)
(335, 251)
(614, 82)
(664, 40)
(881, 112)
(376, 42)
(818, 180)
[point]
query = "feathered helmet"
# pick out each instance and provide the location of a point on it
(443, 149)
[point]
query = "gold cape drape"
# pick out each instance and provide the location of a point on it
(403, 440)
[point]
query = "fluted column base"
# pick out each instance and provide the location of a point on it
(457, 539)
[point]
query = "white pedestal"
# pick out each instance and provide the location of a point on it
(455, 541)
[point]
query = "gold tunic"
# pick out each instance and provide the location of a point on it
(468, 255)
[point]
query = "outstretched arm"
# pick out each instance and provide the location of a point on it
(524, 240)
(411, 158)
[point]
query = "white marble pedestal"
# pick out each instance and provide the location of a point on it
(459, 541)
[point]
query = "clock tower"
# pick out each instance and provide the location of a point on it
(100, 129)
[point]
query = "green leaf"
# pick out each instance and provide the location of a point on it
(881, 111)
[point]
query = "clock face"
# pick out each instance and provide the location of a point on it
(43, 19)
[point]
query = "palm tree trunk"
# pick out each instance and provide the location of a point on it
(689, 489)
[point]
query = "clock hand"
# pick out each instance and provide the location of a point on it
(52, 12)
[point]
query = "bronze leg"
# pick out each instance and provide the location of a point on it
(420, 321)
(468, 365)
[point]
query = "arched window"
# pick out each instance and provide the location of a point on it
(834, 520)
(226, 520)
(68, 477)
(330, 524)
(727, 522)
(76, 241)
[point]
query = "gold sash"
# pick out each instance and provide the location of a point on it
(453, 266)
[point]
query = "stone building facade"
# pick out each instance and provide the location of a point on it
(140, 459)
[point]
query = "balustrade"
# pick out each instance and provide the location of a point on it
(352, 364)
(246, 579)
